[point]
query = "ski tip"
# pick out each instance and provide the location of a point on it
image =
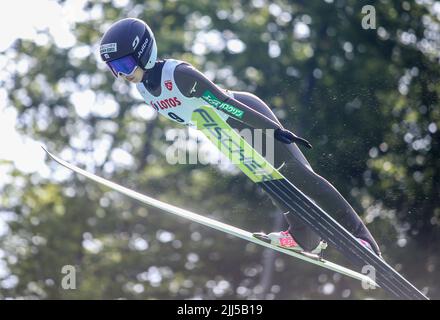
(44, 148)
(51, 156)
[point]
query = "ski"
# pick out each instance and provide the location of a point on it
(214, 224)
(260, 171)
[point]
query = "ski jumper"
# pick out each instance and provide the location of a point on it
(175, 89)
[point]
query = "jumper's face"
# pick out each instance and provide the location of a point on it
(135, 77)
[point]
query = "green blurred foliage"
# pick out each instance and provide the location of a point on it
(366, 99)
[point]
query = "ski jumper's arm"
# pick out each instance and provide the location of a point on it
(193, 83)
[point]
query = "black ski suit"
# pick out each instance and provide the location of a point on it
(294, 165)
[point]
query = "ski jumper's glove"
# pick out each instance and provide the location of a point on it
(287, 137)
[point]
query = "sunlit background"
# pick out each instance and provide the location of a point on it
(368, 101)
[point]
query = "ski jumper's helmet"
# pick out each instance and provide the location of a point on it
(127, 44)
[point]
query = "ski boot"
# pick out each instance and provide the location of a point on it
(285, 240)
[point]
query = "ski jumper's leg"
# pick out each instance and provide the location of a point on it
(305, 237)
(296, 168)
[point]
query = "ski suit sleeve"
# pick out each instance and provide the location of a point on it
(193, 83)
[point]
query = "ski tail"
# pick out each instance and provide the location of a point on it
(342, 240)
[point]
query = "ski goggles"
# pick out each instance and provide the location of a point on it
(123, 66)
